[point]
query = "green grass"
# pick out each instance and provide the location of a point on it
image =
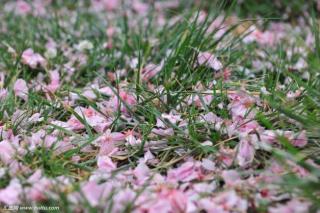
(179, 78)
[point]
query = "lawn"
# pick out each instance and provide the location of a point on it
(160, 106)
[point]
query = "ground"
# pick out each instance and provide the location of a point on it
(160, 106)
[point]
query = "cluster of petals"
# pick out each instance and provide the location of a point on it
(32, 59)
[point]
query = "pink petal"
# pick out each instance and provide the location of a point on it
(20, 89)
(300, 140)
(105, 164)
(142, 173)
(245, 153)
(7, 152)
(92, 192)
(208, 59)
(55, 81)
(11, 194)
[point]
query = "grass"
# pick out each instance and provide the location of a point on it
(178, 46)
